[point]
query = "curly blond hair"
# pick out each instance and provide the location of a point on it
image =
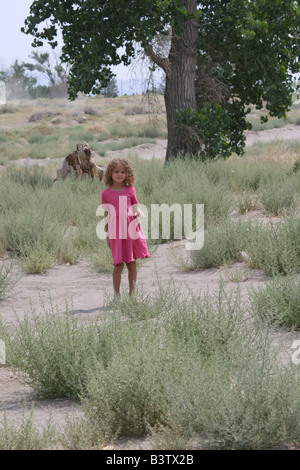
(130, 178)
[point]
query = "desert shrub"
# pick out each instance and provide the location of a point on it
(222, 243)
(277, 198)
(79, 434)
(36, 138)
(3, 137)
(152, 132)
(135, 110)
(257, 125)
(241, 177)
(40, 115)
(198, 369)
(91, 111)
(278, 302)
(10, 151)
(195, 188)
(237, 397)
(275, 248)
(26, 435)
(248, 201)
(121, 144)
(130, 392)
(296, 166)
(33, 235)
(6, 108)
(58, 351)
(7, 280)
(33, 176)
(244, 399)
(101, 259)
(207, 322)
(45, 150)
(85, 237)
(78, 134)
(42, 138)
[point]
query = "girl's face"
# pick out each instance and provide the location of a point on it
(118, 174)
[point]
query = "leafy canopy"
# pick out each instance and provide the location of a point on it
(248, 51)
(94, 30)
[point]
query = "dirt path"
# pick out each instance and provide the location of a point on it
(288, 132)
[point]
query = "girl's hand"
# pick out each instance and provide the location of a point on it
(108, 242)
(139, 213)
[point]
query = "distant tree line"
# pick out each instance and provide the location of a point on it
(21, 81)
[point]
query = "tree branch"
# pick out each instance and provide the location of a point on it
(160, 61)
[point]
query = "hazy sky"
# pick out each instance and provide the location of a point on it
(16, 45)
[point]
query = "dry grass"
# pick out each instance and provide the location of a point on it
(63, 124)
(284, 153)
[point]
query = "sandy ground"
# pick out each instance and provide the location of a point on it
(69, 283)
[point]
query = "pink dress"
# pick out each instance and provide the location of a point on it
(127, 240)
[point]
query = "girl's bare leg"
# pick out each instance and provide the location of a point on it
(132, 275)
(117, 278)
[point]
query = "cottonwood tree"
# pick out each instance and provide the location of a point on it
(223, 56)
(52, 70)
(18, 84)
(111, 89)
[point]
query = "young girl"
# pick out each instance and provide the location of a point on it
(120, 201)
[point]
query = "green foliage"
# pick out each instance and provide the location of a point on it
(199, 371)
(278, 302)
(58, 353)
(55, 74)
(7, 280)
(257, 70)
(34, 176)
(215, 130)
(273, 247)
(18, 84)
(111, 89)
(247, 53)
(26, 435)
(222, 243)
(278, 198)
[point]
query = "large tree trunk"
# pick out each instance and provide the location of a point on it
(180, 81)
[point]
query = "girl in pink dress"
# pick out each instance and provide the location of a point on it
(125, 236)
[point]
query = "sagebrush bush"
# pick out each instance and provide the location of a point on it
(8, 280)
(278, 302)
(275, 248)
(245, 399)
(31, 176)
(277, 198)
(33, 235)
(31, 207)
(26, 435)
(194, 367)
(222, 243)
(55, 352)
